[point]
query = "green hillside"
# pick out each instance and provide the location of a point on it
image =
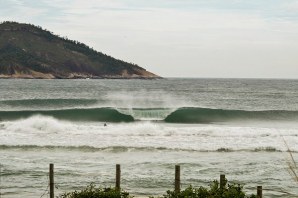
(28, 51)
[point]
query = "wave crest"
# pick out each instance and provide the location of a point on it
(180, 115)
(95, 114)
(207, 115)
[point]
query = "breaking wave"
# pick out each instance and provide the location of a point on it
(96, 114)
(207, 115)
(180, 115)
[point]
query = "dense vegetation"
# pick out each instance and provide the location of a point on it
(25, 48)
(92, 192)
(228, 191)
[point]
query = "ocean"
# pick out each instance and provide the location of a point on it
(243, 128)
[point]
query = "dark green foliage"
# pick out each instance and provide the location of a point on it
(12, 56)
(214, 191)
(92, 192)
(229, 191)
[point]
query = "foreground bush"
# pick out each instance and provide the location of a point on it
(92, 192)
(229, 191)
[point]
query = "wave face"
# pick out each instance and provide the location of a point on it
(207, 115)
(181, 115)
(96, 114)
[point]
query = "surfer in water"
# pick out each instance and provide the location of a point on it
(105, 124)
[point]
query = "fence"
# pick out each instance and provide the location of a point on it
(177, 185)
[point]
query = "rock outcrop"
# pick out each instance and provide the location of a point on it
(28, 51)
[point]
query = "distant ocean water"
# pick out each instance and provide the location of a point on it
(237, 127)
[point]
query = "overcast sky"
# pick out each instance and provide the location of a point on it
(177, 38)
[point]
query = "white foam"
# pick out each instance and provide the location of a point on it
(43, 130)
(148, 114)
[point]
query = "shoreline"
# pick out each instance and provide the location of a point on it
(87, 78)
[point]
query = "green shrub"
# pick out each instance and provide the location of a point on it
(92, 192)
(228, 191)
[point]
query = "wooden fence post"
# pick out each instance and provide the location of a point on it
(51, 175)
(259, 192)
(177, 178)
(118, 176)
(0, 179)
(222, 181)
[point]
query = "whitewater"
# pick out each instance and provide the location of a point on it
(243, 128)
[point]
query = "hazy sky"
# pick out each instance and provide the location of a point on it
(177, 38)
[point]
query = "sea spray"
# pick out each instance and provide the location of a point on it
(148, 114)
